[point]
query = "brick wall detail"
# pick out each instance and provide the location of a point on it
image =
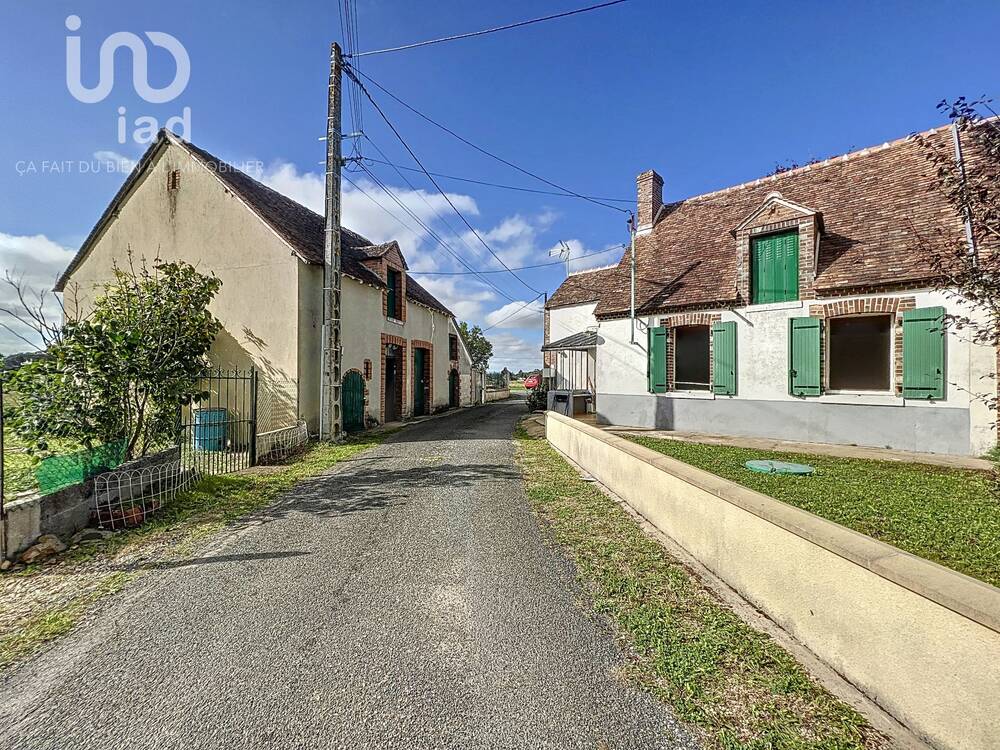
(894, 306)
(687, 319)
(429, 364)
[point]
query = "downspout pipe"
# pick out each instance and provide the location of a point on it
(960, 162)
(631, 229)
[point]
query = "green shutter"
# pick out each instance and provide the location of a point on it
(391, 278)
(656, 365)
(774, 268)
(724, 358)
(923, 353)
(804, 336)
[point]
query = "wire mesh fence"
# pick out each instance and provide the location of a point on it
(277, 445)
(127, 498)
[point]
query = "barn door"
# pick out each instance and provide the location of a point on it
(354, 401)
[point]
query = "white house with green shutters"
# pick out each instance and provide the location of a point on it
(799, 306)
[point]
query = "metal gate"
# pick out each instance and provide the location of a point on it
(218, 434)
(354, 401)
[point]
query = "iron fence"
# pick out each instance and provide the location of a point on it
(218, 433)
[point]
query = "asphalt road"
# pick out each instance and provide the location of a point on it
(407, 600)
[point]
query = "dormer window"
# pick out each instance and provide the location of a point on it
(394, 295)
(774, 268)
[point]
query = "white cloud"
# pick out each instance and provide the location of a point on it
(515, 352)
(115, 162)
(463, 297)
(609, 256)
(37, 261)
(520, 314)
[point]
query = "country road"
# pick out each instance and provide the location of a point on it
(406, 600)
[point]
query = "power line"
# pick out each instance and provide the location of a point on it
(419, 194)
(504, 187)
(426, 228)
(520, 268)
(350, 72)
(480, 149)
(492, 30)
(511, 315)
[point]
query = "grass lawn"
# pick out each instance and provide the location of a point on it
(45, 601)
(736, 686)
(517, 385)
(19, 465)
(951, 517)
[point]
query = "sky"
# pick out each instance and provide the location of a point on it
(709, 94)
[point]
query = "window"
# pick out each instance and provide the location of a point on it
(394, 296)
(174, 179)
(860, 352)
(691, 358)
(452, 347)
(774, 268)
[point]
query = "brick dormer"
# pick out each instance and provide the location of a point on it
(778, 216)
(387, 262)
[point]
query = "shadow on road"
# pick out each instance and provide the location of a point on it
(377, 488)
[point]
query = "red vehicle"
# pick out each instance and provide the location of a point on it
(532, 381)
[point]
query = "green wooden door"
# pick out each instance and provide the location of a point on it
(774, 268)
(453, 389)
(353, 399)
(419, 382)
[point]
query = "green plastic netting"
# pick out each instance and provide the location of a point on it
(55, 472)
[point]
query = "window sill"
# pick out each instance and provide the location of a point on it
(795, 304)
(397, 321)
(861, 399)
(688, 394)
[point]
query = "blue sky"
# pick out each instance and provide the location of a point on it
(708, 94)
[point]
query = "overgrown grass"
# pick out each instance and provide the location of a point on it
(19, 464)
(951, 517)
(174, 533)
(734, 684)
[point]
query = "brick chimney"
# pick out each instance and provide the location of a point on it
(649, 189)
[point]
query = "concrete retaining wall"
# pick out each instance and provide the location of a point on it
(62, 513)
(921, 640)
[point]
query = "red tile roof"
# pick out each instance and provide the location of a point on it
(580, 288)
(874, 205)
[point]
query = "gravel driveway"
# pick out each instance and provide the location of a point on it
(407, 600)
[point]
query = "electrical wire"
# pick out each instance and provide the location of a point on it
(350, 72)
(512, 314)
(498, 185)
(480, 149)
(521, 268)
(434, 235)
(492, 30)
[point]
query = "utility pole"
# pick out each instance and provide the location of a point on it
(330, 415)
(631, 229)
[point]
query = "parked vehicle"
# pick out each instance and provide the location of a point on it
(531, 382)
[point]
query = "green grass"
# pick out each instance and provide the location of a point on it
(19, 464)
(949, 516)
(739, 689)
(174, 533)
(517, 385)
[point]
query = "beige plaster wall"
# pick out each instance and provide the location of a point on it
(922, 640)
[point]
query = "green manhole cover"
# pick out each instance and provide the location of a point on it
(778, 467)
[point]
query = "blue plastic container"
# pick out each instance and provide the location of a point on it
(210, 427)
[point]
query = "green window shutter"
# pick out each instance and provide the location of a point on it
(774, 268)
(923, 353)
(724, 358)
(804, 337)
(656, 366)
(392, 280)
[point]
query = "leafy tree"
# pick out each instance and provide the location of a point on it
(480, 349)
(972, 189)
(120, 372)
